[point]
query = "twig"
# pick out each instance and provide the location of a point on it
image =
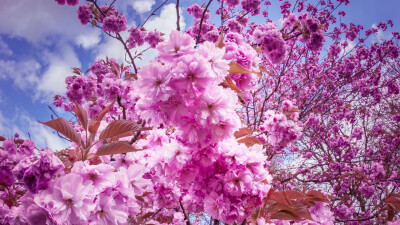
(184, 213)
(134, 138)
(201, 21)
(118, 36)
(53, 111)
(152, 13)
(122, 106)
(110, 6)
(178, 27)
(155, 214)
(222, 13)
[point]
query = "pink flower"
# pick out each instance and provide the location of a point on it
(153, 38)
(114, 24)
(237, 183)
(178, 44)
(216, 104)
(191, 75)
(72, 2)
(9, 146)
(102, 175)
(215, 55)
(60, 2)
(225, 128)
(70, 198)
(137, 37)
(215, 204)
(153, 81)
(107, 210)
(84, 14)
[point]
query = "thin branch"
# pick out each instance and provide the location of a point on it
(201, 21)
(53, 111)
(184, 213)
(134, 138)
(152, 13)
(112, 3)
(122, 106)
(222, 13)
(178, 27)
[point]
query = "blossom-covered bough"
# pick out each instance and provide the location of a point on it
(244, 123)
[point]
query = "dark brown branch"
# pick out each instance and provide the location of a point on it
(178, 27)
(53, 111)
(122, 106)
(201, 21)
(134, 138)
(152, 13)
(118, 37)
(184, 213)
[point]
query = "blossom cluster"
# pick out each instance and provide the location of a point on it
(270, 40)
(226, 181)
(236, 50)
(311, 33)
(100, 87)
(181, 90)
(281, 129)
(138, 36)
(207, 31)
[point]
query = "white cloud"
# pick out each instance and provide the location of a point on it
(88, 40)
(4, 49)
(380, 36)
(28, 75)
(27, 126)
(112, 48)
(53, 80)
(163, 23)
(166, 22)
(23, 73)
(348, 48)
(142, 6)
(38, 20)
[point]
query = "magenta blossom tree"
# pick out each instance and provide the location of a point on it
(237, 123)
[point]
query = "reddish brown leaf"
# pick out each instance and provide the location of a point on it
(119, 128)
(61, 125)
(220, 41)
(262, 69)
(18, 141)
(297, 211)
(294, 194)
(249, 141)
(301, 210)
(235, 68)
(147, 215)
(140, 198)
(232, 85)
(279, 198)
(77, 71)
(285, 215)
(294, 109)
(390, 213)
(316, 196)
(115, 148)
(129, 76)
(276, 207)
(2, 138)
(82, 115)
(394, 201)
(95, 123)
(243, 132)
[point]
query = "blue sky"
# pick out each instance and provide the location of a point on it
(41, 41)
